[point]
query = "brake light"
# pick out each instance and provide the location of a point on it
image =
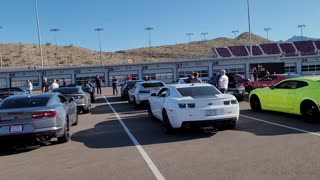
(182, 105)
(192, 105)
(226, 102)
(44, 114)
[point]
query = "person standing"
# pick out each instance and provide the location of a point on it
(54, 85)
(64, 82)
(98, 84)
(129, 78)
(114, 85)
(29, 86)
(45, 85)
(196, 78)
(223, 82)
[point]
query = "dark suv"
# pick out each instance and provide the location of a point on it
(235, 86)
(126, 86)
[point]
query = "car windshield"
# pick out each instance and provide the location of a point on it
(10, 89)
(154, 84)
(67, 90)
(24, 102)
(203, 91)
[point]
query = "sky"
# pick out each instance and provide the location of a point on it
(124, 21)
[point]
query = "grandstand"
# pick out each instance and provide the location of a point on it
(298, 48)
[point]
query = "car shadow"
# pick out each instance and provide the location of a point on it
(110, 134)
(270, 123)
(13, 149)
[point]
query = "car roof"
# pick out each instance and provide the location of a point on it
(143, 82)
(189, 85)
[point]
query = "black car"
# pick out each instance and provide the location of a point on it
(125, 88)
(235, 86)
(6, 92)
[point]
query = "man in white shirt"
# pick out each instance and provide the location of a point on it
(29, 86)
(223, 82)
(54, 84)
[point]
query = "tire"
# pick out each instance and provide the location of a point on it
(86, 111)
(167, 127)
(240, 98)
(232, 125)
(255, 103)
(66, 134)
(77, 120)
(150, 114)
(309, 111)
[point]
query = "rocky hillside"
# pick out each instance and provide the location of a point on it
(27, 55)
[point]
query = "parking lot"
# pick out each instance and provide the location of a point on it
(118, 141)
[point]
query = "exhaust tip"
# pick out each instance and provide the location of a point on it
(187, 125)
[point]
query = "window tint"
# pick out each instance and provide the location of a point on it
(302, 84)
(287, 85)
(68, 90)
(163, 92)
(62, 99)
(198, 91)
(24, 102)
(131, 83)
(150, 85)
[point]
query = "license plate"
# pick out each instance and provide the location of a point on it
(14, 129)
(213, 112)
(229, 92)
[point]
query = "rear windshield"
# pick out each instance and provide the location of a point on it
(150, 85)
(131, 83)
(204, 91)
(67, 90)
(24, 102)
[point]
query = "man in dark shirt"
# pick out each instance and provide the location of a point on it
(98, 84)
(45, 85)
(114, 85)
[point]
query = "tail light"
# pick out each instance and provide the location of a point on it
(44, 114)
(78, 97)
(234, 102)
(182, 105)
(226, 102)
(191, 105)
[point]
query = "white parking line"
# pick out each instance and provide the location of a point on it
(284, 126)
(145, 156)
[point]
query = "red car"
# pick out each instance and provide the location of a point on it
(269, 80)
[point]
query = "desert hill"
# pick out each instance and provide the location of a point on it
(28, 55)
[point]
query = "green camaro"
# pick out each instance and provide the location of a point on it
(299, 96)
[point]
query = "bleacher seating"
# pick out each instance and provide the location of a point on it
(238, 50)
(288, 49)
(256, 51)
(270, 49)
(223, 52)
(305, 48)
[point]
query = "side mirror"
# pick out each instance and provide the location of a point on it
(153, 94)
(271, 87)
(71, 99)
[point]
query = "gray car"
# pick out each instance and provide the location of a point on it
(37, 117)
(82, 99)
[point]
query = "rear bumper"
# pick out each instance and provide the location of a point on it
(21, 137)
(208, 123)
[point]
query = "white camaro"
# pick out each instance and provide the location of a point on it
(141, 91)
(193, 105)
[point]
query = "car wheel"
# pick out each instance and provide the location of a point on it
(86, 111)
(240, 98)
(255, 103)
(309, 111)
(66, 134)
(167, 127)
(232, 124)
(150, 114)
(77, 120)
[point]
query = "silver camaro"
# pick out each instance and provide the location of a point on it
(37, 117)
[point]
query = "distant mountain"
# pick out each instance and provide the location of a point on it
(297, 38)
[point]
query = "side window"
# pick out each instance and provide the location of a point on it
(62, 99)
(163, 92)
(287, 85)
(301, 84)
(272, 78)
(56, 98)
(265, 78)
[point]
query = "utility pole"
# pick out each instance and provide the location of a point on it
(39, 34)
(55, 30)
(235, 33)
(249, 24)
(301, 26)
(204, 42)
(267, 30)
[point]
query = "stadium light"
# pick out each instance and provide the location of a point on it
(38, 28)
(249, 24)
(267, 30)
(149, 29)
(235, 33)
(301, 26)
(55, 30)
(98, 30)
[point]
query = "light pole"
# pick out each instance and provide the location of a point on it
(0, 52)
(267, 30)
(301, 26)
(235, 33)
(149, 29)
(38, 28)
(98, 30)
(204, 41)
(55, 30)
(189, 34)
(249, 24)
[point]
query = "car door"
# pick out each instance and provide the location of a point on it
(131, 92)
(266, 81)
(282, 96)
(159, 101)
